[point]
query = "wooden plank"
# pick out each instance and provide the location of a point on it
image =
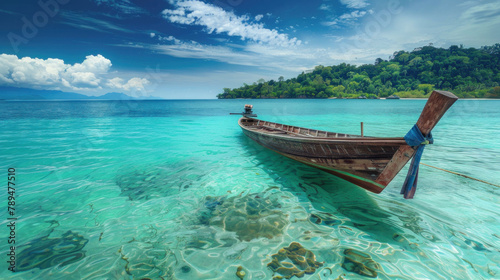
(437, 104)
(398, 161)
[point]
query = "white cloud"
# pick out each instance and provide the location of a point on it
(332, 23)
(267, 57)
(216, 19)
(474, 24)
(93, 63)
(325, 7)
(54, 74)
(169, 39)
(355, 4)
(478, 23)
(124, 6)
(85, 79)
(259, 17)
(83, 21)
(135, 84)
(115, 83)
(413, 25)
(354, 14)
(165, 39)
(482, 12)
(199, 51)
(348, 18)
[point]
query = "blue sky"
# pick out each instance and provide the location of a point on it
(194, 48)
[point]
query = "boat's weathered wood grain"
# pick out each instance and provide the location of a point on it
(437, 105)
(398, 161)
(357, 159)
(439, 102)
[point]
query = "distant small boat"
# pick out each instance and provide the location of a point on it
(369, 162)
(392, 97)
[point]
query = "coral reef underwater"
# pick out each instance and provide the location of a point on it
(293, 260)
(250, 216)
(45, 252)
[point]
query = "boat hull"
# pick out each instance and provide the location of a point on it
(369, 162)
(359, 160)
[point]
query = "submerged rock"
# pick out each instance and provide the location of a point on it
(240, 272)
(293, 260)
(185, 269)
(207, 211)
(250, 216)
(324, 219)
(360, 263)
(46, 252)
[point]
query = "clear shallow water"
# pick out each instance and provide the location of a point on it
(173, 189)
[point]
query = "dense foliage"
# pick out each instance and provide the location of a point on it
(467, 72)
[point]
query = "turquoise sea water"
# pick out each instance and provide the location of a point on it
(174, 190)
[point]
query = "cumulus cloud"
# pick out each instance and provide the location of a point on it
(93, 63)
(216, 19)
(84, 80)
(54, 74)
(135, 84)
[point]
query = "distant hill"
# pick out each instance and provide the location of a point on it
(467, 72)
(114, 96)
(12, 93)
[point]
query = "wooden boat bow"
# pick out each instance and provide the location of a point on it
(438, 103)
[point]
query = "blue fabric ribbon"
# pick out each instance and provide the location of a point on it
(414, 138)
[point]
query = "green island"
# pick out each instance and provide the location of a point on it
(467, 72)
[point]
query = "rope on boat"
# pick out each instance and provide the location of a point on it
(459, 174)
(414, 138)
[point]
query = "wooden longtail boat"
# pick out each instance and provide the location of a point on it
(369, 162)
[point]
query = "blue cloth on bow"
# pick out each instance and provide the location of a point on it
(414, 138)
